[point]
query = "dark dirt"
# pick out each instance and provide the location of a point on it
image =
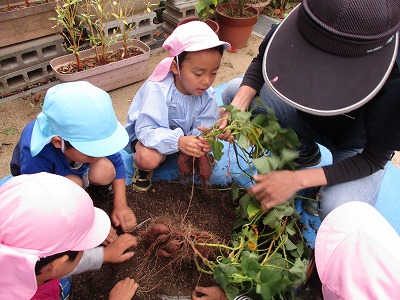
(92, 62)
(209, 210)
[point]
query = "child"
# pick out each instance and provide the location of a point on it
(46, 222)
(177, 102)
(78, 136)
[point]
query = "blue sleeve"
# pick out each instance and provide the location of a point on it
(119, 166)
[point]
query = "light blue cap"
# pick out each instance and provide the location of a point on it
(81, 114)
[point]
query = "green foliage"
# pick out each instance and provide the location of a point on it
(69, 26)
(78, 19)
(268, 256)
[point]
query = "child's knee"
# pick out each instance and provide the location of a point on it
(76, 179)
(102, 172)
(149, 161)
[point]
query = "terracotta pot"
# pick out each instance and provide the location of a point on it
(213, 25)
(27, 23)
(235, 31)
(110, 76)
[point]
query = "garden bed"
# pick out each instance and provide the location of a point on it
(208, 210)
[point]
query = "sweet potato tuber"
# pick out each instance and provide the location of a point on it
(185, 163)
(204, 167)
(155, 230)
(173, 246)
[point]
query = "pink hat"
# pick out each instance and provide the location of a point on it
(41, 215)
(191, 36)
(357, 254)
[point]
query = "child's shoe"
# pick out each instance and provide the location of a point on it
(141, 180)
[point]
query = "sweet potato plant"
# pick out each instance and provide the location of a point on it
(267, 256)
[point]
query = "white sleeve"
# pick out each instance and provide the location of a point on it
(91, 260)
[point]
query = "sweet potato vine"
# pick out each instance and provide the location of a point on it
(267, 255)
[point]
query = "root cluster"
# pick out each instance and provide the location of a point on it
(171, 239)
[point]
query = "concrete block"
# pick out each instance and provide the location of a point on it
(21, 79)
(182, 11)
(143, 27)
(23, 55)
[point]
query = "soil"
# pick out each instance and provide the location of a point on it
(92, 62)
(209, 209)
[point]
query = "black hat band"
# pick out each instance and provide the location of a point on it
(331, 43)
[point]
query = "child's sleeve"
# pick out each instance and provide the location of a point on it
(91, 260)
(119, 166)
(152, 124)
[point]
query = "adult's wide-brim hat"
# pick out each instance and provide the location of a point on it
(331, 57)
(81, 114)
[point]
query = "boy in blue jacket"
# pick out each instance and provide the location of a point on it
(78, 136)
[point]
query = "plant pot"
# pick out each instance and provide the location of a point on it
(235, 31)
(110, 76)
(213, 25)
(27, 23)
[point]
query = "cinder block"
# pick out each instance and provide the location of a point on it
(21, 79)
(181, 2)
(182, 11)
(23, 55)
(143, 27)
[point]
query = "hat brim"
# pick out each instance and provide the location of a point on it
(97, 233)
(104, 147)
(208, 45)
(318, 82)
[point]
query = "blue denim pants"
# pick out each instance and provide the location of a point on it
(365, 189)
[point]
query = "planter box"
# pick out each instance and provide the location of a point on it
(27, 23)
(110, 76)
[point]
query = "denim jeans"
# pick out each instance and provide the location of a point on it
(364, 189)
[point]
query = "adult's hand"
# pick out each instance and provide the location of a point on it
(279, 186)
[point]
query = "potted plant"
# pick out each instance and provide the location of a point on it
(23, 20)
(109, 63)
(235, 18)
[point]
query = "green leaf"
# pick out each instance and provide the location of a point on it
(271, 220)
(266, 164)
(242, 141)
(217, 148)
(251, 265)
(222, 273)
(289, 245)
(299, 268)
(243, 204)
(235, 191)
(271, 283)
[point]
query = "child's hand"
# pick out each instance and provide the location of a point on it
(193, 145)
(123, 216)
(209, 293)
(112, 235)
(114, 253)
(123, 290)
